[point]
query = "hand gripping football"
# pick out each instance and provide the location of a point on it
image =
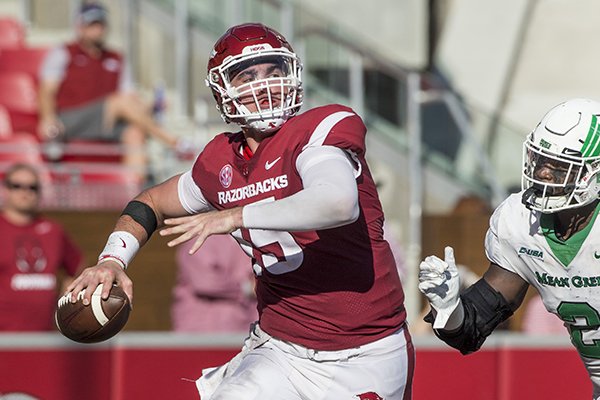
(96, 322)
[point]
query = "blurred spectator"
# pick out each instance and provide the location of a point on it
(34, 250)
(538, 321)
(86, 93)
(214, 291)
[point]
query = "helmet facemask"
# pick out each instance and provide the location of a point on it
(258, 90)
(566, 181)
(561, 158)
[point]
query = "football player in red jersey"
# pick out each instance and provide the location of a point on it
(296, 193)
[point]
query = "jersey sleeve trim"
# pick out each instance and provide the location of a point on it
(317, 138)
(190, 195)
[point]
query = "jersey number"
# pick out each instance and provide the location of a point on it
(583, 320)
(290, 259)
(292, 253)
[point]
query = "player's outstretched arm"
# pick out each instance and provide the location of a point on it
(439, 282)
(201, 226)
(141, 217)
(479, 309)
(328, 199)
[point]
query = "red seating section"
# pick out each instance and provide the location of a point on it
(76, 175)
(27, 59)
(18, 94)
(92, 151)
(91, 186)
(12, 33)
(5, 124)
(20, 147)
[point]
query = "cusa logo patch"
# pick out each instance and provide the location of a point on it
(532, 253)
(226, 176)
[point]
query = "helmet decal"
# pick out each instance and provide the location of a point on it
(591, 145)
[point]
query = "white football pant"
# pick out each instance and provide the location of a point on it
(268, 368)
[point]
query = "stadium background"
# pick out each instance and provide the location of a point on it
(448, 89)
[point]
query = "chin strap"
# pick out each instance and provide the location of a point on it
(528, 197)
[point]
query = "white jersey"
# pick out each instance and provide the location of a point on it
(566, 274)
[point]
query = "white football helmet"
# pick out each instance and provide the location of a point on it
(561, 158)
(274, 99)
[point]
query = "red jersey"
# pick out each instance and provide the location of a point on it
(87, 78)
(329, 289)
(30, 258)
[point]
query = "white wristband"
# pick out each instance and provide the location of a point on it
(450, 319)
(121, 247)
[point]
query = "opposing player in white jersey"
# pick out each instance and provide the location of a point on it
(296, 193)
(547, 236)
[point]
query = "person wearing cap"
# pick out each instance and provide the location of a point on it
(86, 92)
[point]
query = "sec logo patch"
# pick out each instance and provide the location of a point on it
(226, 175)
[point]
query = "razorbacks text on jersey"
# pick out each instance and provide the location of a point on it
(565, 273)
(326, 290)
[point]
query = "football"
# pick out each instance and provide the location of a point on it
(96, 322)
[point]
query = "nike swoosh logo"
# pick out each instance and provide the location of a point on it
(124, 244)
(269, 165)
(596, 255)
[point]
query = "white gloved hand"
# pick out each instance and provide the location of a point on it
(438, 280)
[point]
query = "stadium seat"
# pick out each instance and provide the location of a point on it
(92, 186)
(18, 94)
(92, 151)
(12, 33)
(27, 59)
(19, 147)
(83, 151)
(5, 124)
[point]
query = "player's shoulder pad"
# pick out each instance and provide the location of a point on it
(224, 139)
(215, 149)
(333, 125)
(510, 212)
(318, 114)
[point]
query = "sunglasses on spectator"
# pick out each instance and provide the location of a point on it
(18, 186)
